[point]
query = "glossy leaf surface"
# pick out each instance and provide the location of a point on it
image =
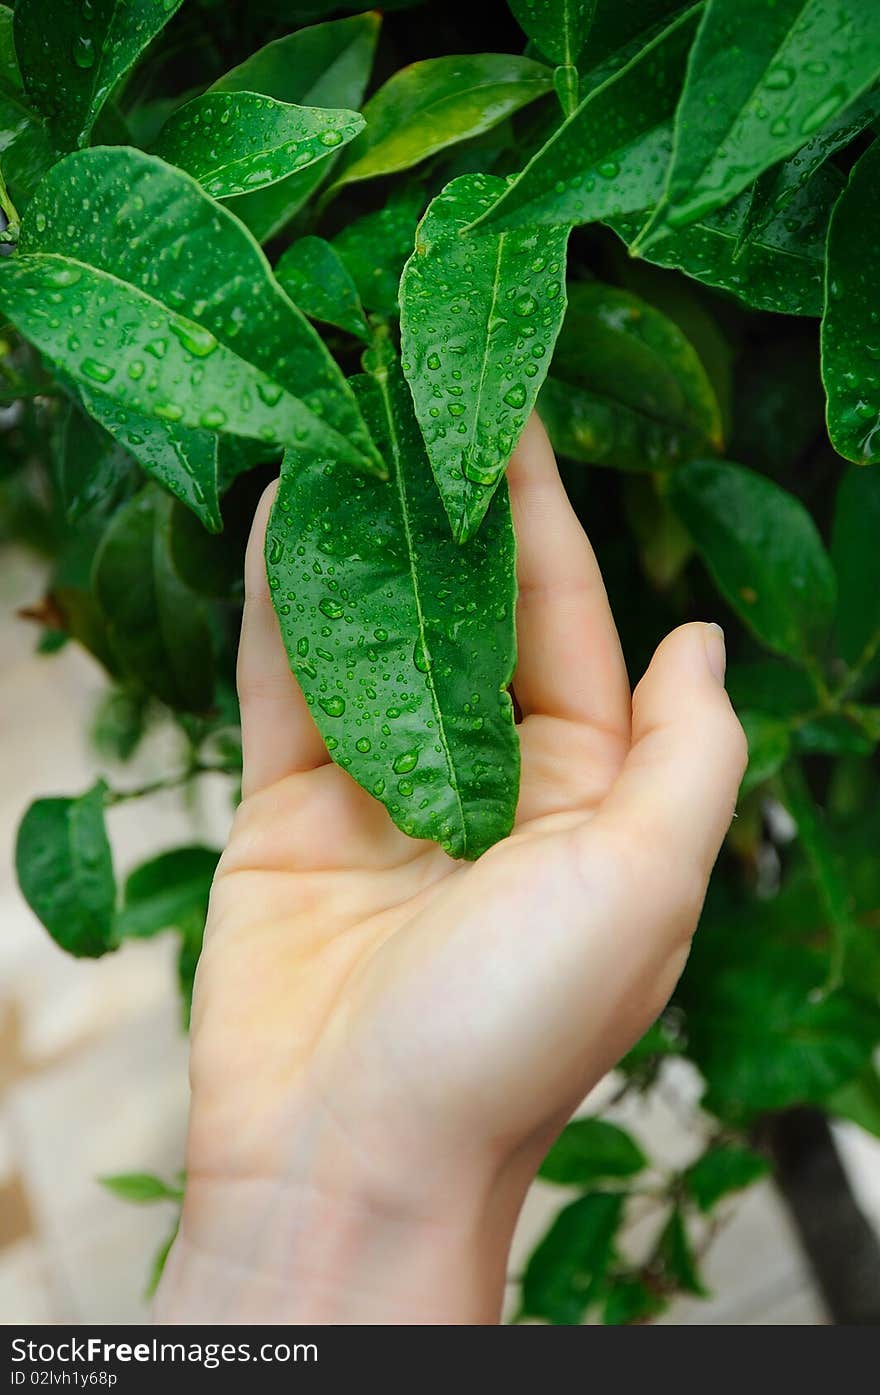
(850, 339)
(591, 1148)
(317, 280)
(236, 142)
(191, 329)
(65, 871)
(479, 317)
(763, 77)
(610, 156)
(559, 28)
(325, 65)
(169, 892)
(375, 247)
(72, 58)
(434, 104)
(763, 551)
(627, 388)
(567, 1269)
(91, 467)
(366, 579)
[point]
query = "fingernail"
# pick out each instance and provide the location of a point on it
(716, 651)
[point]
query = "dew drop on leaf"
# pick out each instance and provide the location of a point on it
(333, 706)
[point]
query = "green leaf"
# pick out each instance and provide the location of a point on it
(92, 469)
(630, 1300)
(627, 387)
(437, 103)
(125, 306)
(565, 1272)
(317, 280)
(772, 687)
(65, 871)
(763, 551)
(675, 1254)
(375, 247)
(479, 315)
(236, 142)
(722, 1169)
(769, 741)
(326, 65)
(850, 343)
(763, 75)
(168, 892)
(588, 1149)
(609, 156)
(779, 406)
(617, 24)
(834, 734)
(25, 149)
(774, 190)
(859, 1101)
(160, 1259)
(72, 60)
(157, 626)
(558, 27)
(140, 1187)
(782, 268)
(119, 724)
(856, 557)
(425, 626)
(181, 459)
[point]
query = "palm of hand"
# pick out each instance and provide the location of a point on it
(414, 1000)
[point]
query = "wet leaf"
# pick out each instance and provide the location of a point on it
(236, 142)
(317, 280)
(25, 149)
(65, 871)
(91, 467)
(375, 247)
(763, 76)
(157, 626)
(610, 156)
(434, 104)
(565, 1273)
(763, 551)
(479, 317)
(326, 65)
(850, 341)
(72, 60)
(161, 300)
(627, 388)
(591, 1148)
(769, 741)
(782, 268)
(367, 581)
(558, 27)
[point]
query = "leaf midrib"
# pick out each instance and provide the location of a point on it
(493, 300)
(267, 150)
(382, 382)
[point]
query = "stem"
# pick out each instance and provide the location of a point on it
(171, 782)
(826, 873)
(566, 81)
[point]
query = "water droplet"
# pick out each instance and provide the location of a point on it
(84, 52)
(455, 409)
(333, 706)
(276, 552)
(405, 762)
(269, 392)
(194, 338)
(64, 276)
(433, 362)
(608, 169)
(363, 744)
(515, 396)
(168, 411)
(779, 78)
(525, 305)
(405, 787)
(381, 635)
(331, 138)
(331, 608)
(98, 372)
(421, 657)
(379, 788)
(213, 419)
(40, 222)
(157, 347)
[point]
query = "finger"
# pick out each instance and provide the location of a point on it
(570, 662)
(278, 734)
(675, 796)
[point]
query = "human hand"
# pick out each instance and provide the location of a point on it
(385, 1041)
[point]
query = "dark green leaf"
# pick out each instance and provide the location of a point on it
(182, 459)
(609, 157)
(375, 247)
(124, 305)
(772, 687)
(722, 1169)
(317, 280)
(92, 469)
(211, 564)
(157, 626)
(627, 389)
(425, 625)
(859, 1101)
(774, 190)
(620, 23)
(833, 734)
(437, 103)
(782, 268)
(565, 1272)
(236, 142)
(65, 871)
(630, 1300)
(855, 552)
(779, 404)
(25, 149)
(763, 551)
(120, 724)
(168, 892)
(762, 77)
(327, 65)
(479, 315)
(769, 741)
(558, 27)
(140, 1187)
(588, 1149)
(675, 1254)
(72, 59)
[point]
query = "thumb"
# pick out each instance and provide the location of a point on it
(676, 793)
